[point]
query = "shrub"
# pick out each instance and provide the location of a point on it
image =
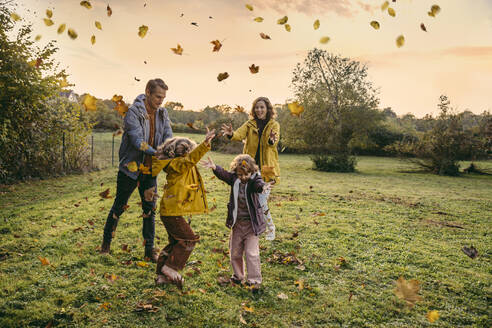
(334, 163)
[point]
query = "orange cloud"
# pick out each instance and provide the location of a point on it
(468, 51)
(309, 7)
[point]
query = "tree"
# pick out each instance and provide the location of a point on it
(340, 108)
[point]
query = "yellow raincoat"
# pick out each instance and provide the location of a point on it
(184, 192)
(268, 153)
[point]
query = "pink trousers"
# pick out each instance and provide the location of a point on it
(243, 242)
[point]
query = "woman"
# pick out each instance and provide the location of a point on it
(261, 134)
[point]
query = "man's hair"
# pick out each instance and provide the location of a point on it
(153, 84)
(176, 147)
(244, 163)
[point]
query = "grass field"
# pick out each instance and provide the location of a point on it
(382, 222)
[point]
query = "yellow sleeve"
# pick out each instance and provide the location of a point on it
(158, 165)
(276, 130)
(241, 132)
(182, 164)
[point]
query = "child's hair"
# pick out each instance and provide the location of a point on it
(245, 163)
(271, 113)
(176, 147)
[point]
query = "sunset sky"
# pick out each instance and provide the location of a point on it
(454, 57)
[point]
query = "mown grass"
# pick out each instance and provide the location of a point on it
(385, 223)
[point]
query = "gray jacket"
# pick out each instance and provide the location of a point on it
(136, 127)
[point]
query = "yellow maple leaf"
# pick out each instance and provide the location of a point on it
(142, 31)
(142, 264)
(391, 12)
(105, 306)
(132, 166)
(49, 13)
(408, 290)
(89, 103)
(72, 34)
(435, 9)
(217, 45)
(117, 98)
(375, 25)
(61, 28)
(48, 22)
(93, 39)
(38, 37)
(44, 260)
(384, 6)
(121, 107)
(178, 50)
(400, 41)
(15, 17)
(258, 19)
(324, 40)
(295, 108)
(299, 284)
(248, 309)
(316, 24)
(98, 25)
(287, 27)
(283, 20)
(432, 316)
(86, 4)
(250, 7)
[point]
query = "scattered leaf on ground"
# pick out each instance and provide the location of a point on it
(432, 316)
(408, 290)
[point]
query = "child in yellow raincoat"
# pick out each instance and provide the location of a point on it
(184, 194)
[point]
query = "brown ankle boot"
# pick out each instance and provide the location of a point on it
(105, 248)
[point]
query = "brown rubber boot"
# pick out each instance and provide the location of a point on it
(151, 254)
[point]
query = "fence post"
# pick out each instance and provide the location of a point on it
(92, 151)
(63, 150)
(112, 152)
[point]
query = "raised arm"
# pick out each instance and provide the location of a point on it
(224, 175)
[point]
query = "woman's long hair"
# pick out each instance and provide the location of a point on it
(271, 113)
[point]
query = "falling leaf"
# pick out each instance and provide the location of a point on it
(250, 7)
(423, 28)
(258, 19)
(105, 194)
(72, 34)
(265, 36)
(89, 103)
(178, 50)
(86, 4)
(15, 17)
(109, 11)
(287, 27)
(375, 25)
(435, 9)
(254, 69)
(48, 22)
(432, 316)
(93, 39)
(283, 20)
(61, 28)
(142, 31)
(239, 109)
(98, 25)
(282, 296)
(142, 264)
(400, 41)
(295, 108)
(391, 12)
(191, 126)
(470, 251)
(217, 45)
(49, 13)
(324, 40)
(44, 260)
(195, 24)
(316, 24)
(384, 6)
(222, 76)
(132, 166)
(408, 290)
(38, 37)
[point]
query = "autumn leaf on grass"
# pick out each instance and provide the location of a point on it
(254, 69)
(246, 308)
(142, 264)
(391, 12)
(283, 20)
(316, 24)
(400, 41)
(408, 291)
(178, 50)
(98, 25)
(324, 40)
(258, 19)
(86, 4)
(72, 34)
(15, 17)
(222, 76)
(48, 22)
(49, 13)
(299, 284)
(142, 31)
(61, 28)
(295, 108)
(217, 45)
(105, 306)
(265, 36)
(375, 25)
(146, 307)
(44, 260)
(432, 316)
(435, 9)
(282, 296)
(105, 194)
(384, 6)
(423, 28)
(93, 39)
(241, 319)
(250, 7)
(111, 278)
(89, 103)
(109, 11)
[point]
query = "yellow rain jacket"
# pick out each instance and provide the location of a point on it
(268, 153)
(184, 192)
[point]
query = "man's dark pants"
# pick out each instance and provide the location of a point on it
(124, 188)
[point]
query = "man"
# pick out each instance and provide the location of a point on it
(145, 127)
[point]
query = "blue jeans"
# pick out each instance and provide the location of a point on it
(124, 188)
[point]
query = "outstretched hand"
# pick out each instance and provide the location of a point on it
(209, 136)
(268, 186)
(273, 137)
(227, 130)
(209, 164)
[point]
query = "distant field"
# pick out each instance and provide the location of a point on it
(354, 234)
